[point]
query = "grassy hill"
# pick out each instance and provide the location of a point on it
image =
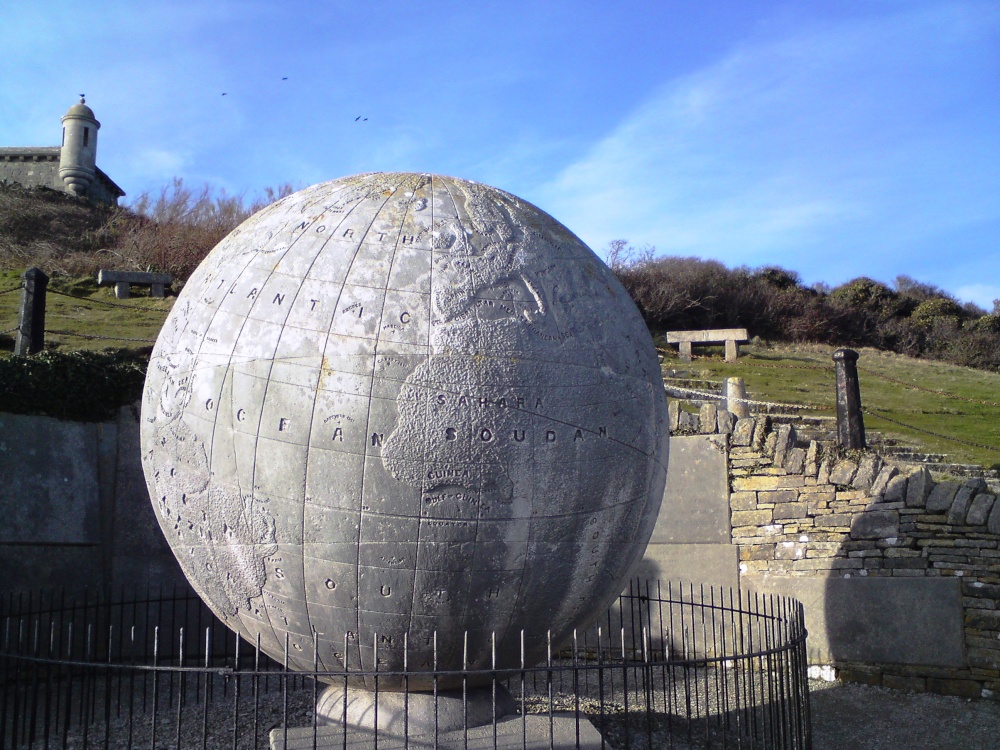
(960, 404)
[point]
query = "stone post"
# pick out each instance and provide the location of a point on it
(31, 322)
(850, 423)
(736, 394)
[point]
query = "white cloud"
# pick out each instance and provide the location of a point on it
(982, 294)
(827, 148)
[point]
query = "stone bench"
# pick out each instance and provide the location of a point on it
(731, 337)
(123, 280)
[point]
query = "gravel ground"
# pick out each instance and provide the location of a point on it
(844, 717)
(859, 717)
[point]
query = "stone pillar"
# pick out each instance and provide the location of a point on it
(732, 350)
(31, 321)
(684, 350)
(850, 423)
(736, 394)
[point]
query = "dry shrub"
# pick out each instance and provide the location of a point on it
(917, 319)
(173, 231)
(170, 231)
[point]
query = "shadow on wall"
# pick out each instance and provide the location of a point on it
(76, 509)
(897, 572)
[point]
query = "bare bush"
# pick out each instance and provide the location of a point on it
(175, 229)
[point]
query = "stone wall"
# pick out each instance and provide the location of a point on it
(75, 508)
(906, 569)
(30, 169)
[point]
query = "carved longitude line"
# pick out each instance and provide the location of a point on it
(430, 353)
(312, 420)
(253, 473)
(467, 238)
(378, 329)
(195, 357)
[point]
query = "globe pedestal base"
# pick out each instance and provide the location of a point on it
(514, 732)
(414, 714)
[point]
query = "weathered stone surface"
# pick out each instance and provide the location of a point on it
(811, 465)
(393, 400)
(698, 511)
(751, 517)
(886, 473)
(770, 443)
(726, 420)
(941, 496)
(760, 432)
(785, 511)
(843, 472)
(673, 415)
(687, 422)
(993, 522)
(979, 510)
(711, 564)
(823, 475)
(876, 620)
(875, 524)
(743, 432)
(960, 506)
(708, 417)
(49, 492)
(918, 486)
(895, 490)
(868, 469)
(963, 498)
(784, 441)
(795, 461)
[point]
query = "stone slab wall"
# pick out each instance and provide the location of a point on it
(75, 507)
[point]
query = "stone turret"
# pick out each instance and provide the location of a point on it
(78, 156)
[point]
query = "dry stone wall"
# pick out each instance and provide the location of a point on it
(813, 511)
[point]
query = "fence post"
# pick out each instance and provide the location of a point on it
(850, 423)
(31, 322)
(736, 395)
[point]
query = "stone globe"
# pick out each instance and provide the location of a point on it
(404, 411)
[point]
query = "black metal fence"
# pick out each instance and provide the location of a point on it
(668, 666)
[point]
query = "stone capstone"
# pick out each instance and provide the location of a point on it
(979, 509)
(868, 469)
(881, 483)
(404, 404)
(941, 496)
(743, 432)
(918, 487)
(843, 472)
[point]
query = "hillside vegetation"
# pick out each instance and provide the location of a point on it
(794, 327)
(910, 317)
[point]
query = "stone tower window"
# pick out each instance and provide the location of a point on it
(86, 136)
(64, 137)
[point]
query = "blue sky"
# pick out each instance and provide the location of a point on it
(836, 139)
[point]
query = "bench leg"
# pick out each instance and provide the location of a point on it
(732, 351)
(156, 290)
(121, 289)
(684, 348)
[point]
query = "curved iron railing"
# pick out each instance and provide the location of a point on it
(668, 666)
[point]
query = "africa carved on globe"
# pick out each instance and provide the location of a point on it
(398, 404)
